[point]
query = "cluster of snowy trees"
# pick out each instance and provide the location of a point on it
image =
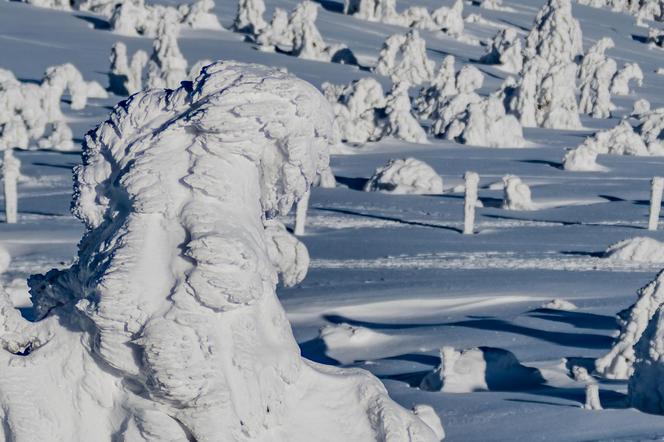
(641, 9)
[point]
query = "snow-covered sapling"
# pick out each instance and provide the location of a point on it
(167, 66)
(450, 20)
(217, 355)
(517, 194)
(11, 171)
(249, 16)
(472, 180)
(505, 50)
(301, 208)
(596, 75)
(403, 58)
(199, 15)
(656, 189)
(592, 397)
(401, 123)
(468, 79)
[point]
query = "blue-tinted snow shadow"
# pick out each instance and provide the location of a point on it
(331, 6)
(388, 218)
(577, 319)
(97, 23)
(562, 222)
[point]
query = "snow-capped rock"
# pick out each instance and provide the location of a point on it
(170, 185)
(405, 176)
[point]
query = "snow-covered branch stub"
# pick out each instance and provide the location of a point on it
(656, 189)
(592, 397)
(11, 171)
(301, 213)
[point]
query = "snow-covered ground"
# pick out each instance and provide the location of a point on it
(392, 279)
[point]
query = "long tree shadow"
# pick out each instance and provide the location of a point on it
(566, 339)
(388, 218)
(352, 183)
(554, 164)
(331, 6)
(561, 222)
(577, 319)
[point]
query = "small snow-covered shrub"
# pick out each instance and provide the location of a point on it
(620, 81)
(487, 124)
(374, 10)
(125, 77)
(479, 369)
(405, 176)
(403, 58)
(505, 51)
(166, 67)
(596, 74)
(218, 357)
(618, 363)
(638, 249)
(517, 194)
(450, 20)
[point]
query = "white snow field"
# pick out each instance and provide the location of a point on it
(392, 282)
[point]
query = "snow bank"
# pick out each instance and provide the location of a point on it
(638, 249)
(405, 176)
(596, 75)
(560, 304)
(517, 194)
(618, 363)
(189, 341)
(479, 369)
(505, 51)
(403, 58)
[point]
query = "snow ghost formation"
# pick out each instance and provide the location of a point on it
(400, 121)
(405, 176)
(656, 190)
(298, 35)
(189, 342)
(166, 67)
(596, 74)
(517, 194)
(467, 81)
(199, 15)
(505, 51)
(442, 85)
(374, 10)
(620, 81)
(641, 9)
(450, 20)
(249, 16)
(546, 94)
(126, 77)
(11, 171)
(618, 363)
(403, 58)
(644, 388)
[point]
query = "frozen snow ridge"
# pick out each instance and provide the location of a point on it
(167, 327)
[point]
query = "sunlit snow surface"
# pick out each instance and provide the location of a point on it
(395, 266)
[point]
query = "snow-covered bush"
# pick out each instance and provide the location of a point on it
(505, 51)
(621, 140)
(517, 194)
(405, 176)
(125, 77)
(596, 74)
(620, 81)
(403, 58)
(249, 16)
(618, 363)
(638, 249)
(166, 67)
(400, 121)
(479, 369)
(442, 85)
(374, 10)
(189, 342)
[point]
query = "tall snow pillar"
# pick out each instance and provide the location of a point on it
(592, 397)
(301, 214)
(472, 180)
(11, 167)
(656, 187)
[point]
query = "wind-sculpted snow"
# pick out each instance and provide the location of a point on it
(638, 249)
(641, 9)
(405, 176)
(167, 327)
(618, 363)
(620, 82)
(126, 77)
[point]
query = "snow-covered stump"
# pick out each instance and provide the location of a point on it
(516, 194)
(301, 208)
(656, 188)
(472, 180)
(11, 171)
(592, 397)
(189, 342)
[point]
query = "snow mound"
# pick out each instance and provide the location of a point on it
(189, 341)
(479, 369)
(339, 338)
(639, 249)
(618, 363)
(403, 58)
(560, 304)
(517, 194)
(405, 176)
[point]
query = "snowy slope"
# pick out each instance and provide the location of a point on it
(397, 264)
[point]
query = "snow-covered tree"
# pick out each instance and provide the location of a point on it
(249, 16)
(400, 121)
(505, 51)
(125, 77)
(486, 123)
(199, 15)
(517, 194)
(190, 340)
(450, 20)
(556, 35)
(620, 81)
(468, 79)
(442, 85)
(596, 74)
(374, 10)
(403, 58)
(405, 176)
(166, 67)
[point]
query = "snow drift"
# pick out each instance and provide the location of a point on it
(405, 176)
(167, 327)
(638, 249)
